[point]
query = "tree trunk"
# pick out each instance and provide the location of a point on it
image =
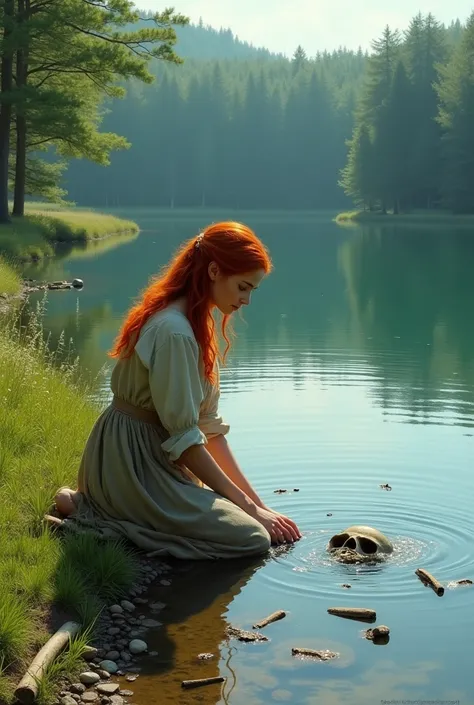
(21, 80)
(6, 86)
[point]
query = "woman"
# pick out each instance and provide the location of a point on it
(157, 467)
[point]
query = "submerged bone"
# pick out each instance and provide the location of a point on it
(358, 541)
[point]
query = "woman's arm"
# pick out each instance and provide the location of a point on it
(222, 454)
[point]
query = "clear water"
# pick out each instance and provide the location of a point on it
(354, 368)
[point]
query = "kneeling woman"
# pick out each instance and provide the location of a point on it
(157, 468)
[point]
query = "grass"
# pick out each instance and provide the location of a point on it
(418, 217)
(45, 417)
(10, 280)
(43, 227)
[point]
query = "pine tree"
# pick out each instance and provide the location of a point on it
(455, 90)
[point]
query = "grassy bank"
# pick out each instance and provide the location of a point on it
(424, 217)
(45, 417)
(36, 235)
(10, 280)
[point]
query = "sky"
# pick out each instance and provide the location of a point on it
(280, 25)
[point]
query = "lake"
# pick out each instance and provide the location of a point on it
(353, 368)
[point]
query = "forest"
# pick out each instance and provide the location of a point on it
(225, 124)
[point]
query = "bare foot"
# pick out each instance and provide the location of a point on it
(65, 501)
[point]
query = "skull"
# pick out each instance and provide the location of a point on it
(360, 541)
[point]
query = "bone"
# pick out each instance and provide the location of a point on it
(274, 617)
(198, 682)
(360, 613)
(430, 580)
(323, 655)
(28, 688)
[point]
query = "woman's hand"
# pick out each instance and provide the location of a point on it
(280, 528)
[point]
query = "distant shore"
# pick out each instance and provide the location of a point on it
(419, 217)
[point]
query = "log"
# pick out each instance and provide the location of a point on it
(360, 613)
(274, 617)
(323, 655)
(198, 682)
(430, 580)
(27, 690)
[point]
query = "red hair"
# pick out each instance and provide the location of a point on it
(235, 249)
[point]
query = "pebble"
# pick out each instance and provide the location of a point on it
(112, 656)
(126, 693)
(129, 606)
(137, 646)
(140, 600)
(90, 653)
(157, 606)
(125, 656)
(109, 666)
(78, 688)
(165, 582)
(154, 653)
(89, 678)
(90, 697)
(116, 609)
(103, 674)
(150, 623)
(108, 688)
(116, 700)
(130, 678)
(67, 700)
(113, 631)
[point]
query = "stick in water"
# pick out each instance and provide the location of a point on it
(365, 615)
(428, 579)
(202, 681)
(27, 689)
(274, 617)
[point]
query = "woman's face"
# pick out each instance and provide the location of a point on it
(230, 293)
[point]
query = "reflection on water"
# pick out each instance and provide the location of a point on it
(353, 368)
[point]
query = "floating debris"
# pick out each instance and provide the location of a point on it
(359, 613)
(386, 487)
(346, 585)
(202, 681)
(430, 580)
(322, 655)
(296, 489)
(279, 491)
(274, 617)
(379, 635)
(329, 514)
(243, 635)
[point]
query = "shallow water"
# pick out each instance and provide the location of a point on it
(354, 368)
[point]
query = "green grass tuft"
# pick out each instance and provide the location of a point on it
(46, 414)
(10, 279)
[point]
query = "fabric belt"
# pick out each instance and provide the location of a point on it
(137, 412)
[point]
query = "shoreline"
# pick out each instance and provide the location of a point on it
(48, 587)
(423, 218)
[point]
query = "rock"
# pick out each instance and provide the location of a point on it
(103, 674)
(78, 688)
(140, 600)
(166, 583)
(112, 656)
(128, 606)
(116, 609)
(154, 653)
(137, 646)
(90, 697)
(131, 677)
(125, 656)
(77, 283)
(157, 606)
(89, 678)
(205, 656)
(109, 666)
(67, 700)
(108, 688)
(116, 700)
(151, 623)
(113, 631)
(126, 693)
(90, 653)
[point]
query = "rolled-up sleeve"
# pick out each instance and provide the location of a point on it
(176, 390)
(210, 420)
